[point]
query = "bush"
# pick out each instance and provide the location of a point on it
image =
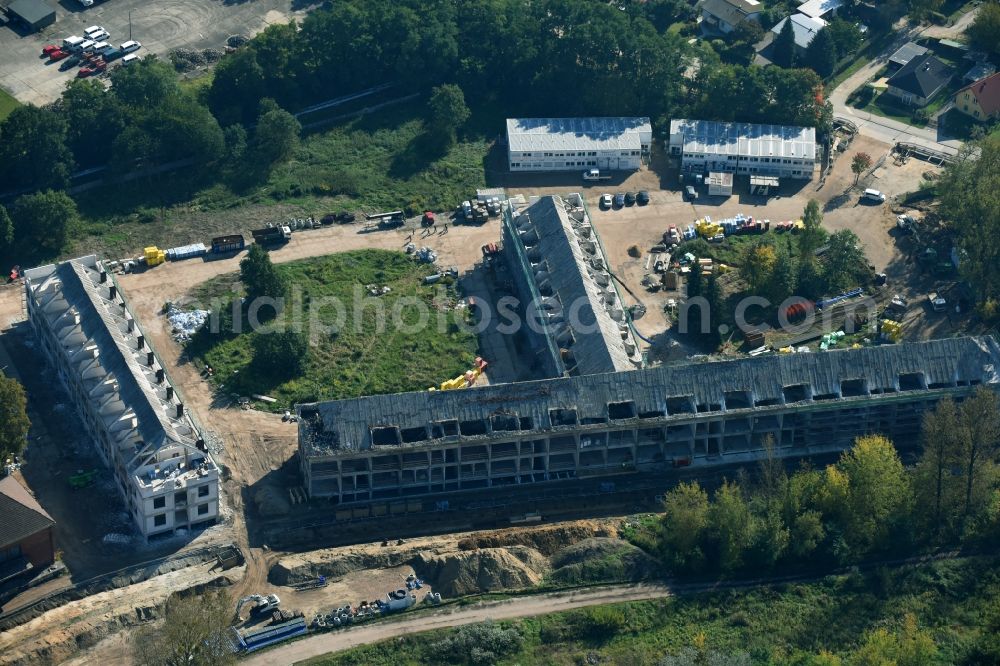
(601, 622)
(920, 115)
(485, 643)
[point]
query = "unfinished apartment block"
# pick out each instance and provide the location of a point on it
(414, 444)
(574, 320)
(120, 389)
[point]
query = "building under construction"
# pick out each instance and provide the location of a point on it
(125, 400)
(572, 315)
(426, 443)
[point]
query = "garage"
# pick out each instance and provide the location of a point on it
(33, 14)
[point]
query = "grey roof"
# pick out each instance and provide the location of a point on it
(22, 515)
(922, 76)
(732, 11)
(530, 134)
(804, 27)
(567, 262)
(819, 8)
(979, 71)
(31, 11)
(343, 427)
(906, 53)
(745, 139)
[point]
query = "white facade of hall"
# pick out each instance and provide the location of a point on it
(705, 146)
(570, 144)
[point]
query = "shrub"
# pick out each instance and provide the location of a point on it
(485, 643)
(601, 622)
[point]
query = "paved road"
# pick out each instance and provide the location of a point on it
(885, 129)
(455, 616)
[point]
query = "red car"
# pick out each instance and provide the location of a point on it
(89, 70)
(49, 49)
(58, 55)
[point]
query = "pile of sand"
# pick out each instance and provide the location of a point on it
(486, 569)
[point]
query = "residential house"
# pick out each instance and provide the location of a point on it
(821, 9)
(26, 539)
(804, 28)
(981, 100)
(919, 80)
(724, 15)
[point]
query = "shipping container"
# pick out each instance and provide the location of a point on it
(186, 251)
(224, 244)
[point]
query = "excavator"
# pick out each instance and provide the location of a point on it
(262, 604)
(465, 380)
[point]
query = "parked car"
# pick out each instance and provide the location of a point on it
(71, 43)
(629, 198)
(58, 54)
(112, 54)
(49, 49)
(70, 63)
(606, 201)
(937, 302)
(130, 58)
(642, 198)
(619, 200)
(100, 47)
(92, 69)
(85, 46)
(96, 33)
(129, 46)
(690, 193)
(873, 196)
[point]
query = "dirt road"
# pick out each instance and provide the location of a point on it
(454, 617)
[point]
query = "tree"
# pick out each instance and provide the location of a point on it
(14, 421)
(6, 230)
(845, 261)
(981, 419)
(846, 36)
(259, 276)
(685, 520)
(276, 136)
(147, 84)
(878, 492)
(448, 113)
(749, 32)
(821, 54)
(194, 632)
(33, 150)
(970, 200)
(713, 294)
(985, 27)
(784, 277)
(44, 219)
(757, 264)
(860, 164)
(235, 138)
(182, 128)
(922, 9)
(280, 354)
(237, 87)
(943, 437)
(909, 645)
(93, 118)
(694, 280)
(812, 235)
(783, 47)
(729, 523)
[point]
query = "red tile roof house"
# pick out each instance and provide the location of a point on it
(980, 100)
(27, 542)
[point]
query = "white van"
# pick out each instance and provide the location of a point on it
(130, 58)
(72, 43)
(874, 195)
(86, 45)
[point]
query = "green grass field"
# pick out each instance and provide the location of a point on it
(951, 601)
(7, 104)
(355, 359)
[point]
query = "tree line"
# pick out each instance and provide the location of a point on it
(864, 505)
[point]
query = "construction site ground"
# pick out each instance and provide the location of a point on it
(256, 446)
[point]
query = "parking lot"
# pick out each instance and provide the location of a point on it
(160, 26)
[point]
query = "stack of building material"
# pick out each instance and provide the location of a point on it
(154, 256)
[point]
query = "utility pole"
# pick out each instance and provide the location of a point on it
(130, 25)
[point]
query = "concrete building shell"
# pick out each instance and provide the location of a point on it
(429, 443)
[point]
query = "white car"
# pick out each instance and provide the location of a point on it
(130, 46)
(130, 58)
(96, 33)
(87, 3)
(605, 201)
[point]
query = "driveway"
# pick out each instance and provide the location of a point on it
(888, 130)
(160, 26)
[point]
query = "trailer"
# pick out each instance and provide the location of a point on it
(186, 252)
(225, 244)
(272, 235)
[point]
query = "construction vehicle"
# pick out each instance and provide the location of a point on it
(263, 604)
(428, 219)
(272, 235)
(395, 218)
(937, 302)
(312, 584)
(465, 380)
(224, 244)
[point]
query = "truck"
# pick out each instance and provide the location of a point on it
(224, 244)
(272, 235)
(594, 174)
